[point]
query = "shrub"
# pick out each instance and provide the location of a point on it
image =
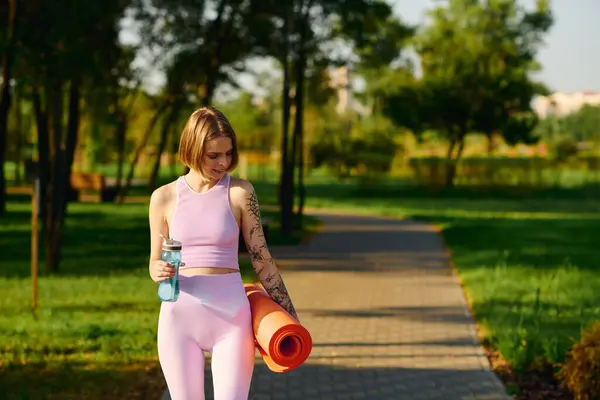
(370, 154)
(565, 149)
(581, 372)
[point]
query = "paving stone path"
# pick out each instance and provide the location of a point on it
(387, 316)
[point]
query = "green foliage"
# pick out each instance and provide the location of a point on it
(476, 58)
(580, 126)
(254, 123)
(584, 124)
(319, 88)
(519, 128)
(366, 151)
(378, 36)
(581, 373)
(374, 153)
(565, 149)
(518, 172)
(522, 344)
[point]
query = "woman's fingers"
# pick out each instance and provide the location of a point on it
(162, 271)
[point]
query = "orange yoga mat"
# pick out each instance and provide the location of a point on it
(283, 342)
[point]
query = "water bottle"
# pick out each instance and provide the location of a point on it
(168, 290)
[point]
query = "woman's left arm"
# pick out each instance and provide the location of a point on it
(261, 258)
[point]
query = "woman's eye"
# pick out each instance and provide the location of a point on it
(212, 157)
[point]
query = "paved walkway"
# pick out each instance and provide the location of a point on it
(387, 316)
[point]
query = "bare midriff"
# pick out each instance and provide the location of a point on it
(208, 270)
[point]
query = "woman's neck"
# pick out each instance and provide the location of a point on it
(199, 182)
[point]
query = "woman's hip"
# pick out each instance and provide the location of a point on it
(203, 296)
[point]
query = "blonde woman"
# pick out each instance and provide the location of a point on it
(205, 210)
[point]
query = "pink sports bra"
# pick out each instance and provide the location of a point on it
(205, 225)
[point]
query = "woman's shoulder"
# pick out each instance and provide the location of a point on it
(240, 190)
(241, 185)
(165, 193)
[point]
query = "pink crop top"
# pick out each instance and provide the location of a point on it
(205, 225)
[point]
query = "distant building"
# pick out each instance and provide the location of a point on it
(340, 80)
(561, 104)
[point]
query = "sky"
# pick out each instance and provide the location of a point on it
(570, 58)
(570, 61)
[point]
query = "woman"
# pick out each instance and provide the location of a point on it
(205, 210)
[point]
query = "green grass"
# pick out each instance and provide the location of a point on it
(529, 265)
(97, 318)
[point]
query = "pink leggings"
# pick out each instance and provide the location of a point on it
(212, 314)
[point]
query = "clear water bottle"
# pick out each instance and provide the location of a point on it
(168, 290)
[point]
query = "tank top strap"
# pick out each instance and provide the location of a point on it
(225, 182)
(180, 185)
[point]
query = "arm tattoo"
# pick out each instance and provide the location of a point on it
(254, 210)
(262, 261)
(274, 285)
(255, 228)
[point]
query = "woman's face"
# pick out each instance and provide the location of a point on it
(217, 157)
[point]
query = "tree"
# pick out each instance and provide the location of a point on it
(115, 87)
(8, 43)
(302, 47)
(56, 61)
(200, 44)
(476, 59)
(254, 118)
(584, 125)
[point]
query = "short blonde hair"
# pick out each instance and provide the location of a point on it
(204, 124)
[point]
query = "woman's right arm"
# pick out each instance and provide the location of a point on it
(158, 269)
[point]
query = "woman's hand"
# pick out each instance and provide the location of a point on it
(161, 270)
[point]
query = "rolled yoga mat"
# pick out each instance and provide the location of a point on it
(283, 343)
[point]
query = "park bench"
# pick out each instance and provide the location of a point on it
(81, 183)
(84, 183)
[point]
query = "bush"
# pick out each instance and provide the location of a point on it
(565, 149)
(371, 154)
(581, 372)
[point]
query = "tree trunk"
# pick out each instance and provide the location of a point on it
(299, 131)
(5, 98)
(284, 184)
(121, 131)
(43, 140)
(73, 121)
(449, 165)
(300, 66)
(138, 152)
(55, 207)
(61, 160)
(490, 143)
(55, 186)
(20, 135)
(152, 184)
(290, 188)
(452, 160)
(220, 38)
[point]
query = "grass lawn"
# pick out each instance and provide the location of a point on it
(95, 335)
(529, 265)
